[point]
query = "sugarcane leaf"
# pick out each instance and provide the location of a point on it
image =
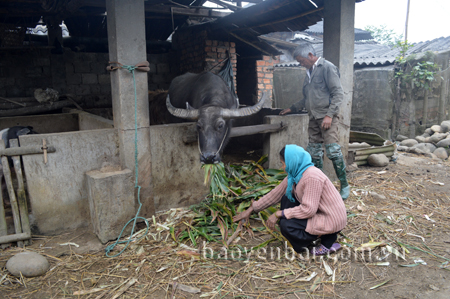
(223, 229)
(264, 244)
(172, 233)
(379, 285)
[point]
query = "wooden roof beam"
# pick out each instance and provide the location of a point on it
(196, 12)
(226, 5)
(166, 9)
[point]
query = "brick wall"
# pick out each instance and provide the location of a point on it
(197, 53)
(264, 72)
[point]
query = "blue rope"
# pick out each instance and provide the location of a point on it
(109, 248)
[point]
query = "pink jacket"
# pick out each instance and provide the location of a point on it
(320, 203)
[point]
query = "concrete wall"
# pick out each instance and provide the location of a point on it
(296, 132)
(57, 190)
(54, 123)
(177, 177)
(88, 121)
(373, 101)
(288, 85)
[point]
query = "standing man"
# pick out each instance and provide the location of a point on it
(322, 96)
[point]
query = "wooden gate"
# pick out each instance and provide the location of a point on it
(18, 200)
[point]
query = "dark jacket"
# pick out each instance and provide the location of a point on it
(324, 94)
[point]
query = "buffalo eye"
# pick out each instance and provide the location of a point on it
(199, 127)
(220, 125)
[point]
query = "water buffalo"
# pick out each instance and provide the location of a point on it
(209, 101)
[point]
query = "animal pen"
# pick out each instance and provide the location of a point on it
(62, 190)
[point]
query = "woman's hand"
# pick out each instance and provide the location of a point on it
(244, 215)
(273, 219)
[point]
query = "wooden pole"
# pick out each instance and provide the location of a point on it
(3, 226)
(14, 238)
(21, 196)
(26, 150)
(243, 131)
(12, 195)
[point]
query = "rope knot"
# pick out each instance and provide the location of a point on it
(141, 66)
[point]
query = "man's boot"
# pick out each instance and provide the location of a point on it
(316, 152)
(334, 153)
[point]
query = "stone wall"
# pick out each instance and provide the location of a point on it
(80, 74)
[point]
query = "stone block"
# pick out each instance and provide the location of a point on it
(95, 89)
(82, 67)
(89, 79)
(104, 79)
(34, 72)
(98, 67)
(105, 89)
(81, 90)
(111, 201)
(41, 61)
(73, 79)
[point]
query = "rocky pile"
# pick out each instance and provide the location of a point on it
(434, 142)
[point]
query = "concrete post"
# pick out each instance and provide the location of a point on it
(296, 132)
(338, 47)
(127, 45)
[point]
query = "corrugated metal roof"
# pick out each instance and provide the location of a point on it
(373, 54)
(359, 33)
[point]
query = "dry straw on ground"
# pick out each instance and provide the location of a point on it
(391, 212)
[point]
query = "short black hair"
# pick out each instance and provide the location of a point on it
(282, 154)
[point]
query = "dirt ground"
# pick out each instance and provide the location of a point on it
(404, 207)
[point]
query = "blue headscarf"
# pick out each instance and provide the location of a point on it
(297, 160)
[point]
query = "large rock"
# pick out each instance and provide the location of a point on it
(417, 151)
(420, 139)
(401, 138)
(425, 147)
(445, 126)
(378, 160)
(441, 153)
(429, 131)
(28, 263)
(444, 143)
(437, 137)
(402, 148)
(436, 129)
(409, 142)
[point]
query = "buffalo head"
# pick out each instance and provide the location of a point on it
(213, 125)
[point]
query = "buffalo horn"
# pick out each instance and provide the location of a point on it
(242, 112)
(191, 114)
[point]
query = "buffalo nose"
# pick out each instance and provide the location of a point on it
(209, 158)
